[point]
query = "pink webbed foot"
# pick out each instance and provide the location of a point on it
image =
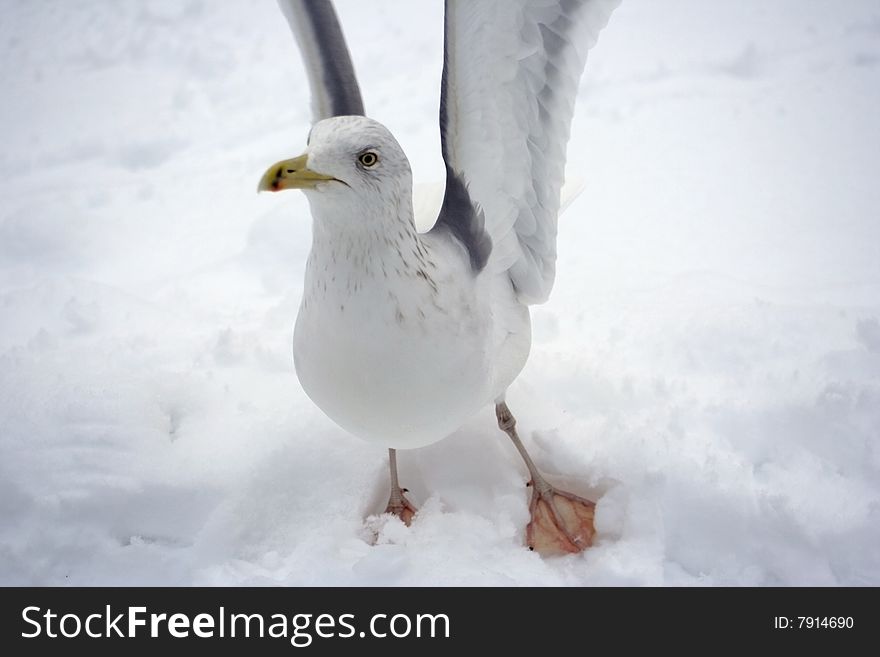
(401, 507)
(561, 523)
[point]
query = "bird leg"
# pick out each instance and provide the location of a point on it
(561, 523)
(398, 505)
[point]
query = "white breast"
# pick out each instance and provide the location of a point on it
(399, 354)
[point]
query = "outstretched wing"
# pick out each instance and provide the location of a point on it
(510, 76)
(335, 90)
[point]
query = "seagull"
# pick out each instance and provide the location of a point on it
(401, 336)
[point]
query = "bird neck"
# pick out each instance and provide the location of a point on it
(353, 248)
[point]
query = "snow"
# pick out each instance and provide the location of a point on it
(708, 366)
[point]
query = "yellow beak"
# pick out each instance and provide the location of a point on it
(291, 174)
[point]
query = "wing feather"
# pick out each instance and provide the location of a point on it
(332, 79)
(510, 78)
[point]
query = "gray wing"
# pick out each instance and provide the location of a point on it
(335, 90)
(510, 77)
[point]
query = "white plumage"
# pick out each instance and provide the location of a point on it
(395, 339)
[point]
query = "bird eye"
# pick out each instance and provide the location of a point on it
(368, 159)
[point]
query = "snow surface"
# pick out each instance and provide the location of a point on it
(708, 364)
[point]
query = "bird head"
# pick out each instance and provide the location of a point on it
(349, 161)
